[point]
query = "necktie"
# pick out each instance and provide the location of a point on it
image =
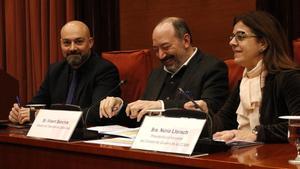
(72, 87)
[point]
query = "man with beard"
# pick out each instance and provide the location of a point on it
(201, 76)
(82, 78)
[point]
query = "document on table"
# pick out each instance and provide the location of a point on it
(107, 128)
(116, 130)
(124, 136)
(117, 141)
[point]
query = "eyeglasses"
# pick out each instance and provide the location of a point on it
(240, 36)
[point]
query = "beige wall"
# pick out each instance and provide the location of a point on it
(210, 21)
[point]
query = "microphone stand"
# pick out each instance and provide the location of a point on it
(197, 106)
(83, 133)
(206, 145)
(96, 103)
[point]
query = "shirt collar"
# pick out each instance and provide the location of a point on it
(184, 64)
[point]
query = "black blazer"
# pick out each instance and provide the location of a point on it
(281, 96)
(96, 78)
(205, 77)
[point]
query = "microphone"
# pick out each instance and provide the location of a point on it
(96, 103)
(208, 116)
(81, 131)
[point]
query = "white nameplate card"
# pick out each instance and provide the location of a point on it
(54, 124)
(169, 134)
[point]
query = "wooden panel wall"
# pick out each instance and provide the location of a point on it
(210, 21)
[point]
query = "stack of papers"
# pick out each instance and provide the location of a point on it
(116, 130)
(118, 141)
(123, 136)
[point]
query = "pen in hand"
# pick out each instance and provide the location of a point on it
(18, 101)
(17, 109)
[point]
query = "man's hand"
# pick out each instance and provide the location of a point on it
(139, 108)
(14, 113)
(110, 106)
(19, 115)
(24, 115)
(191, 106)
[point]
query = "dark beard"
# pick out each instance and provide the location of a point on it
(76, 60)
(166, 58)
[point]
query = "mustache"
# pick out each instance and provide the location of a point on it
(167, 58)
(74, 54)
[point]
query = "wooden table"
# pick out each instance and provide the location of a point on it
(19, 151)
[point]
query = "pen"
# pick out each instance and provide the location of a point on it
(18, 101)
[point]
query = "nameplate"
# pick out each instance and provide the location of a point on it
(54, 124)
(168, 134)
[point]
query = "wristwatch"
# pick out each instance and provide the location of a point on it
(255, 130)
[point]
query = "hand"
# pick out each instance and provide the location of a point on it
(14, 113)
(19, 115)
(226, 135)
(110, 106)
(233, 135)
(139, 108)
(24, 115)
(191, 106)
(245, 135)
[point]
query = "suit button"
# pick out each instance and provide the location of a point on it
(168, 98)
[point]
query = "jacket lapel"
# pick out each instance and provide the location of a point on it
(190, 70)
(157, 85)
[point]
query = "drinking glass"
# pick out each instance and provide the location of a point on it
(294, 136)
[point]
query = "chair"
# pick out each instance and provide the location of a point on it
(235, 73)
(296, 46)
(134, 66)
(9, 90)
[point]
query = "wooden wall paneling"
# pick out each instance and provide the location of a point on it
(210, 21)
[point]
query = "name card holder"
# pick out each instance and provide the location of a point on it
(169, 134)
(54, 124)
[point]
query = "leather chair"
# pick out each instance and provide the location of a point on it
(296, 47)
(134, 66)
(9, 90)
(235, 73)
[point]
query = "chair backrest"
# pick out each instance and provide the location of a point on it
(235, 73)
(296, 47)
(134, 66)
(9, 90)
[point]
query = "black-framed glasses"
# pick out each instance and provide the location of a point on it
(240, 36)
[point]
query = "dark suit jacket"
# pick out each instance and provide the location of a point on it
(96, 78)
(205, 78)
(281, 96)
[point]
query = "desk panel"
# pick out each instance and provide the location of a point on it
(19, 151)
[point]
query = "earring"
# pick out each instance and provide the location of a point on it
(262, 50)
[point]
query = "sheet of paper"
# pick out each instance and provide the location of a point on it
(118, 141)
(116, 130)
(127, 133)
(107, 128)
